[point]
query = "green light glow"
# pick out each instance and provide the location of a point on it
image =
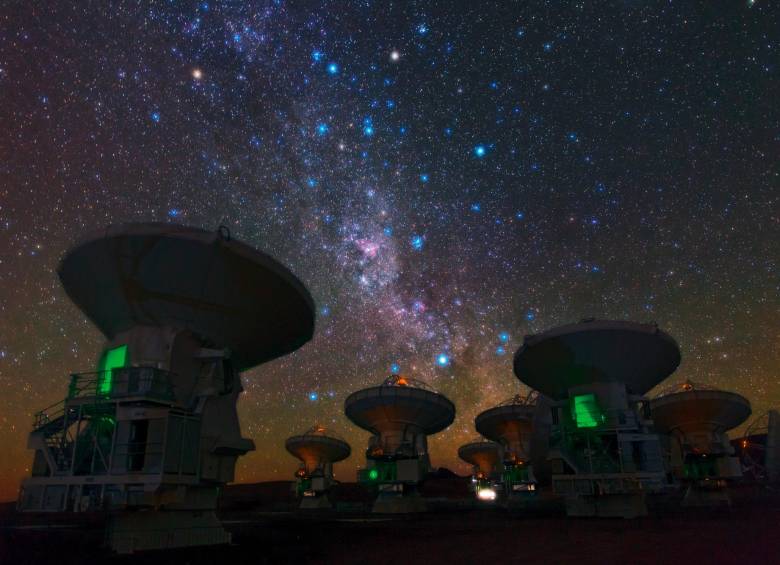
(381, 472)
(303, 485)
(585, 411)
(111, 359)
(516, 474)
(698, 468)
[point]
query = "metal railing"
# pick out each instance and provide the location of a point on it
(105, 386)
(123, 382)
(49, 414)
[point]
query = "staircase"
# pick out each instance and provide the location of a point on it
(93, 409)
(50, 435)
(52, 432)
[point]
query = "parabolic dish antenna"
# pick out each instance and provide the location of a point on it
(639, 355)
(317, 446)
(226, 292)
(399, 402)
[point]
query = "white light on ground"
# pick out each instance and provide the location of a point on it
(486, 494)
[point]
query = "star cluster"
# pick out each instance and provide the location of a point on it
(444, 177)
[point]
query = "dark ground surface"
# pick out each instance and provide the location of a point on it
(265, 531)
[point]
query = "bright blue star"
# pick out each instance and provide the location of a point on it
(520, 215)
(155, 117)
(480, 151)
(530, 316)
(325, 311)
(424, 177)
(448, 132)
(442, 360)
(388, 231)
(417, 242)
(173, 212)
(236, 37)
(422, 29)
(317, 55)
(322, 128)
(368, 127)
(572, 136)
(503, 337)
(333, 68)
(313, 396)
(312, 182)
(395, 368)
(548, 46)
(390, 104)
(500, 350)
(476, 207)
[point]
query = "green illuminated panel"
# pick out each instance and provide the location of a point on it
(698, 468)
(373, 474)
(585, 411)
(516, 474)
(303, 485)
(111, 359)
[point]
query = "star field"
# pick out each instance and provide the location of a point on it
(444, 177)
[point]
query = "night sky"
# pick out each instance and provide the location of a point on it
(445, 179)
